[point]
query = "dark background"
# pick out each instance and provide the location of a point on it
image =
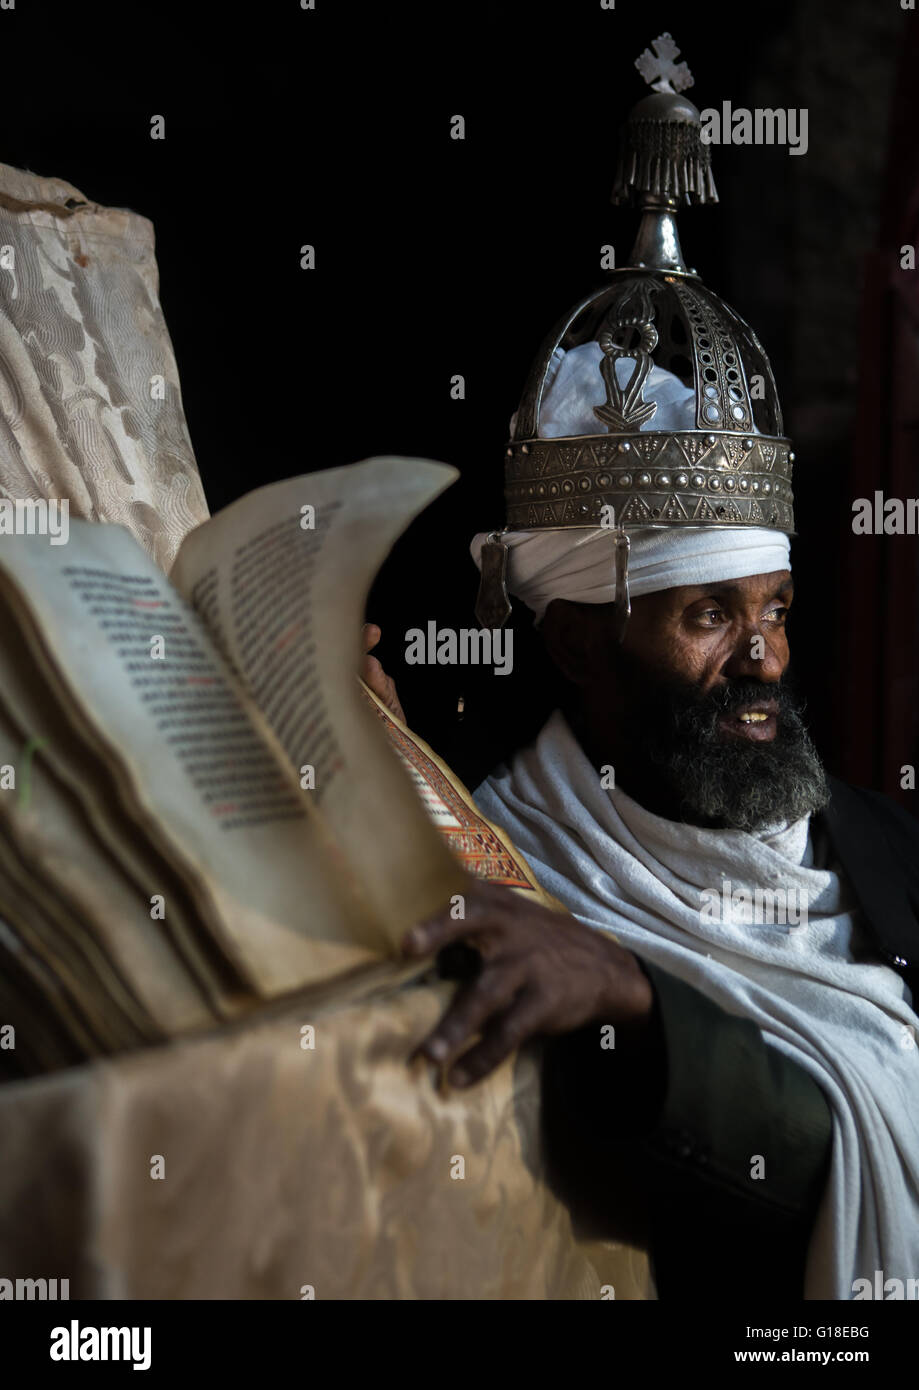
(436, 257)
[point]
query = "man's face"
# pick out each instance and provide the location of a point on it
(695, 705)
(720, 639)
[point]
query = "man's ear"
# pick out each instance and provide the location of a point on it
(577, 637)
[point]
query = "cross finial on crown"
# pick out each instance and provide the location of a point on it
(660, 71)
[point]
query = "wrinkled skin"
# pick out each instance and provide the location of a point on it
(373, 674)
(543, 974)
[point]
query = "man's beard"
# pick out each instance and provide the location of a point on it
(721, 780)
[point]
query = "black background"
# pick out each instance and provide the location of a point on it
(434, 256)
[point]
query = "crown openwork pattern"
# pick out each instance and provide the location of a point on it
(734, 468)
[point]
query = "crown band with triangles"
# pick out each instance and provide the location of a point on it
(648, 479)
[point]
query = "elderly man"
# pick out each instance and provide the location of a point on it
(736, 1042)
(732, 1072)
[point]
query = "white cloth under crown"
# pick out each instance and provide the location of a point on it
(574, 386)
(578, 563)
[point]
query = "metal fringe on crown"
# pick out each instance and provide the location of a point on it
(665, 159)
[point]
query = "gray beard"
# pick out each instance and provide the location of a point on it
(725, 782)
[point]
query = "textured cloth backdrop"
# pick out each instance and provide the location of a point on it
(90, 405)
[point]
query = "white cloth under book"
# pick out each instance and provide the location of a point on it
(848, 1023)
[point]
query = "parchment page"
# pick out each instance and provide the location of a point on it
(49, 731)
(50, 1032)
(36, 917)
(58, 849)
(281, 578)
(199, 762)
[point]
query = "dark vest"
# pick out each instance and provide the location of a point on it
(877, 843)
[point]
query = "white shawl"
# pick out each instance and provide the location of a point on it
(847, 1022)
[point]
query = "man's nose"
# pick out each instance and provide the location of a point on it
(756, 655)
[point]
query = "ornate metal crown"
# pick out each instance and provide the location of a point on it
(652, 397)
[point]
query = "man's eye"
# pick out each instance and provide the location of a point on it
(777, 615)
(714, 613)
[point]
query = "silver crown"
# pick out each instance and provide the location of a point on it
(653, 322)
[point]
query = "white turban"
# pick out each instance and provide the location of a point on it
(579, 564)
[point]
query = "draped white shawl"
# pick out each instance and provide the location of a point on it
(846, 1020)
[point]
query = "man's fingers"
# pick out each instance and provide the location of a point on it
(481, 915)
(472, 1007)
(375, 677)
(373, 672)
(381, 684)
(502, 1036)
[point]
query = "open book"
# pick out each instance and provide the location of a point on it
(202, 809)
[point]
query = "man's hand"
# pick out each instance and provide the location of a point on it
(373, 674)
(542, 974)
